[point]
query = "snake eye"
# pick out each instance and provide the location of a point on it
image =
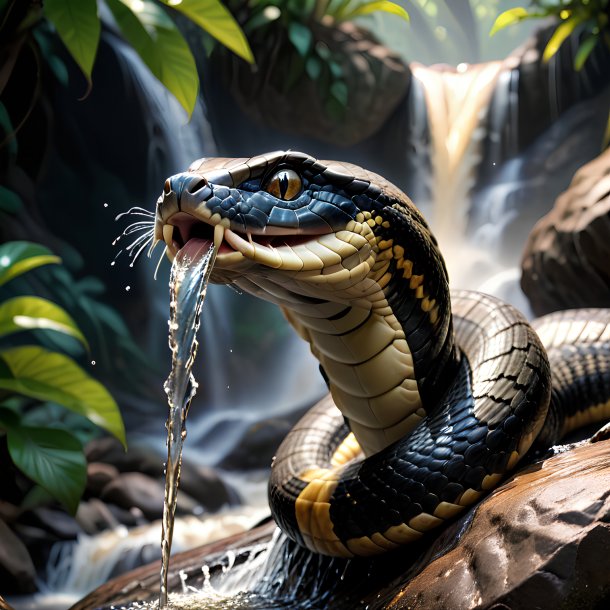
(285, 184)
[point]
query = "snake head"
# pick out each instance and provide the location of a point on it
(287, 227)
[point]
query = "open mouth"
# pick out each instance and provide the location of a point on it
(273, 248)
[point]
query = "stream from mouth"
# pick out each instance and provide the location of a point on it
(189, 278)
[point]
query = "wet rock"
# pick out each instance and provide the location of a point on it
(136, 490)
(534, 543)
(565, 262)
(17, 572)
(539, 541)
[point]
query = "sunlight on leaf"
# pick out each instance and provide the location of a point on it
(39, 373)
(78, 25)
(215, 18)
(52, 458)
(28, 313)
(559, 36)
(384, 6)
(161, 46)
(17, 257)
(508, 17)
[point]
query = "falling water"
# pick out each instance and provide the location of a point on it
(188, 283)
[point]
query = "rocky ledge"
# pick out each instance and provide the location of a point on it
(538, 541)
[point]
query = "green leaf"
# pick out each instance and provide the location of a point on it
(562, 32)
(27, 313)
(17, 257)
(509, 17)
(78, 25)
(161, 46)
(301, 37)
(45, 375)
(214, 18)
(339, 91)
(313, 67)
(52, 458)
(367, 8)
(10, 202)
(585, 50)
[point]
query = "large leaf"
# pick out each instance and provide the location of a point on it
(52, 458)
(50, 376)
(560, 34)
(27, 313)
(214, 18)
(160, 45)
(78, 25)
(17, 257)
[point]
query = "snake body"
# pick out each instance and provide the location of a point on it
(439, 395)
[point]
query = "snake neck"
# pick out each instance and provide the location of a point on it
(379, 374)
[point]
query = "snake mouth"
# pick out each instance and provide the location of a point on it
(276, 247)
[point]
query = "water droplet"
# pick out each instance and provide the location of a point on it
(113, 263)
(127, 288)
(93, 362)
(227, 387)
(105, 205)
(231, 351)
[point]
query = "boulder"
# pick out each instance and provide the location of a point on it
(565, 262)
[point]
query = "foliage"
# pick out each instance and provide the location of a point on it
(34, 379)
(589, 18)
(295, 21)
(148, 27)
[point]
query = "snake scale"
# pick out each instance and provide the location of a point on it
(439, 394)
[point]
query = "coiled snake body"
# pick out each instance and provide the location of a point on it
(438, 396)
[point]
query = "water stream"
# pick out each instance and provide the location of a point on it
(188, 283)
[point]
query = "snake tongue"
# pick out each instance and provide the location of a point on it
(196, 247)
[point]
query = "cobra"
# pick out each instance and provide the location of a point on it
(435, 396)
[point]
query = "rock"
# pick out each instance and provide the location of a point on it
(137, 459)
(17, 572)
(375, 77)
(58, 523)
(206, 487)
(257, 446)
(136, 490)
(539, 541)
(93, 516)
(565, 262)
(99, 475)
